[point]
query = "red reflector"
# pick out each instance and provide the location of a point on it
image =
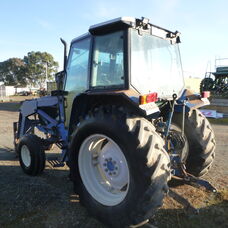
(205, 94)
(152, 97)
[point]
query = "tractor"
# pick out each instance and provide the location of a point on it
(123, 120)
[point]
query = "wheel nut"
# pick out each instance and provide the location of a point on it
(116, 168)
(104, 164)
(110, 174)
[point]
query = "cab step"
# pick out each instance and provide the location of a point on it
(54, 162)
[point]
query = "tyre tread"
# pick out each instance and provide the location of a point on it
(201, 161)
(150, 157)
(38, 163)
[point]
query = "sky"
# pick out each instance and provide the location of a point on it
(31, 25)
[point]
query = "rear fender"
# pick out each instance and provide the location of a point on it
(85, 102)
(191, 101)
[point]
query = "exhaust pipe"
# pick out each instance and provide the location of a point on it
(65, 53)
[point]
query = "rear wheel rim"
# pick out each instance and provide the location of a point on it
(25, 156)
(104, 169)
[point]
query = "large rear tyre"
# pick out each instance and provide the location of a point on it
(119, 167)
(200, 140)
(31, 155)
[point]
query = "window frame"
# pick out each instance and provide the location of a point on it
(130, 63)
(125, 64)
(75, 41)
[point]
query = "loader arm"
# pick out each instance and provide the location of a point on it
(47, 115)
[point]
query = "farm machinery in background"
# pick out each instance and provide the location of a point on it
(216, 82)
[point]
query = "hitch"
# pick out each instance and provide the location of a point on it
(174, 143)
(189, 179)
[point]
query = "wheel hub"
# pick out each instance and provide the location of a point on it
(104, 169)
(110, 167)
(25, 156)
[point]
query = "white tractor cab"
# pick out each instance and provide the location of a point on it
(123, 120)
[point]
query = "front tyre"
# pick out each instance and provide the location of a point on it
(31, 155)
(122, 165)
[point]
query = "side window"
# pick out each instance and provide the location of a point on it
(77, 68)
(108, 64)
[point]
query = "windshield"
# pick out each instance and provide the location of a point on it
(155, 65)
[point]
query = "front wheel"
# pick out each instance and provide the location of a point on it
(122, 165)
(31, 155)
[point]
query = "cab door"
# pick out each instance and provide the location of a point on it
(77, 72)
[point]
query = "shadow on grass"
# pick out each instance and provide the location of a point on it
(10, 106)
(7, 154)
(48, 200)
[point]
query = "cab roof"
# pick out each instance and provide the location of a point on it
(124, 22)
(129, 22)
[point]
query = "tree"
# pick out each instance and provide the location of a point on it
(34, 69)
(40, 66)
(12, 72)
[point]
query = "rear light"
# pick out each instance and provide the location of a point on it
(205, 94)
(144, 99)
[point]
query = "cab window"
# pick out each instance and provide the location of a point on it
(78, 65)
(107, 62)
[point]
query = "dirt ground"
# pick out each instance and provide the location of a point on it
(48, 200)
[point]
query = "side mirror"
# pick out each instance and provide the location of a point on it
(59, 79)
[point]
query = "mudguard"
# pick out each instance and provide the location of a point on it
(190, 100)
